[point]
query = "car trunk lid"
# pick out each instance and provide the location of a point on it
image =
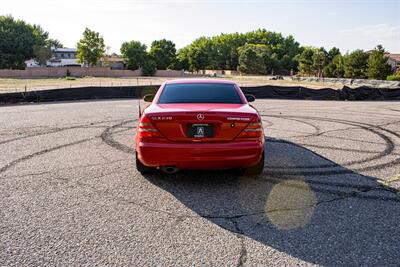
(183, 122)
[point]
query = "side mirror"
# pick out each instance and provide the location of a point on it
(250, 98)
(148, 98)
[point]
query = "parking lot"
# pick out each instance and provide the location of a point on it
(328, 195)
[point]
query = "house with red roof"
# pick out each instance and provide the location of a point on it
(394, 61)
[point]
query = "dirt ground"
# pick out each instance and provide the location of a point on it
(21, 85)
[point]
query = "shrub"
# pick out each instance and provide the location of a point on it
(149, 67)
(394, 77)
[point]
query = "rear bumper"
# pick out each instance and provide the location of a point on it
(235, 154)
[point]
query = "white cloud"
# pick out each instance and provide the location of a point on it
(368, 36)
(383, 30)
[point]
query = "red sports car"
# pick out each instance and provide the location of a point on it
(199, 124)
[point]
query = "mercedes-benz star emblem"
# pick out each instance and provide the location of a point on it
(200, 117)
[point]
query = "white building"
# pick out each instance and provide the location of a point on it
(61, 57)
(31, 63)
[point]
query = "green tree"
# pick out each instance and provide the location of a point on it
(164, 53)
(272, 63)
(17, 39)
(251, 59)
(221, 55)
(41, 54)
(356, 65)
(335, 64)
(90, 47)
(257, 59)
(288, 51)
(306, 61)
(378, 67)
(40, 35)
(54, 43)
(198, 59)
(134, 54)
(149, 67)
(333, 53)
(182, 60)
(320, 60)
(42, 48)
(199, 54)
(221, 52)
(335, 68)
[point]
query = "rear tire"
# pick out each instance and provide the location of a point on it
(256, 169)
(141, 167)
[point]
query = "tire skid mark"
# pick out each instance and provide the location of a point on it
(395, 110)
(316, 128)
(351, 139)
(269, 123)
(64, 169)
(19, 160)
(360, 114)
(330, 169)
(341, 149)
(57, 130)
(389, 149)
(107, 138)
(356, 190)
(278, 174)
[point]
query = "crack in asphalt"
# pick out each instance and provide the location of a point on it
(348, 195)
(106, 136)
(243, 250)
(109, 162)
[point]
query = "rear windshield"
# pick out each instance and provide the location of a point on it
(200, 93)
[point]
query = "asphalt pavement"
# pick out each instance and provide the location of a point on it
(329, 194)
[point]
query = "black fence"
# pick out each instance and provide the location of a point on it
(267, 91)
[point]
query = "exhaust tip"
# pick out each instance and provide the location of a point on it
(169, 169)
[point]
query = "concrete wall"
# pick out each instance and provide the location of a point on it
(170, 73)
(82, 72)
(221, 72)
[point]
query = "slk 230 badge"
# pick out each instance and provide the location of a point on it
(161, 118)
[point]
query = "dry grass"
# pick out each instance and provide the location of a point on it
(20, 85)
(265, 80)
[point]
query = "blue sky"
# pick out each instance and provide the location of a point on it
(345, 24)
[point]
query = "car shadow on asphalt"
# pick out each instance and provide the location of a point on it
(304, 205)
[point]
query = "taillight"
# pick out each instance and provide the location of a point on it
(147, 130)
(253, 130)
